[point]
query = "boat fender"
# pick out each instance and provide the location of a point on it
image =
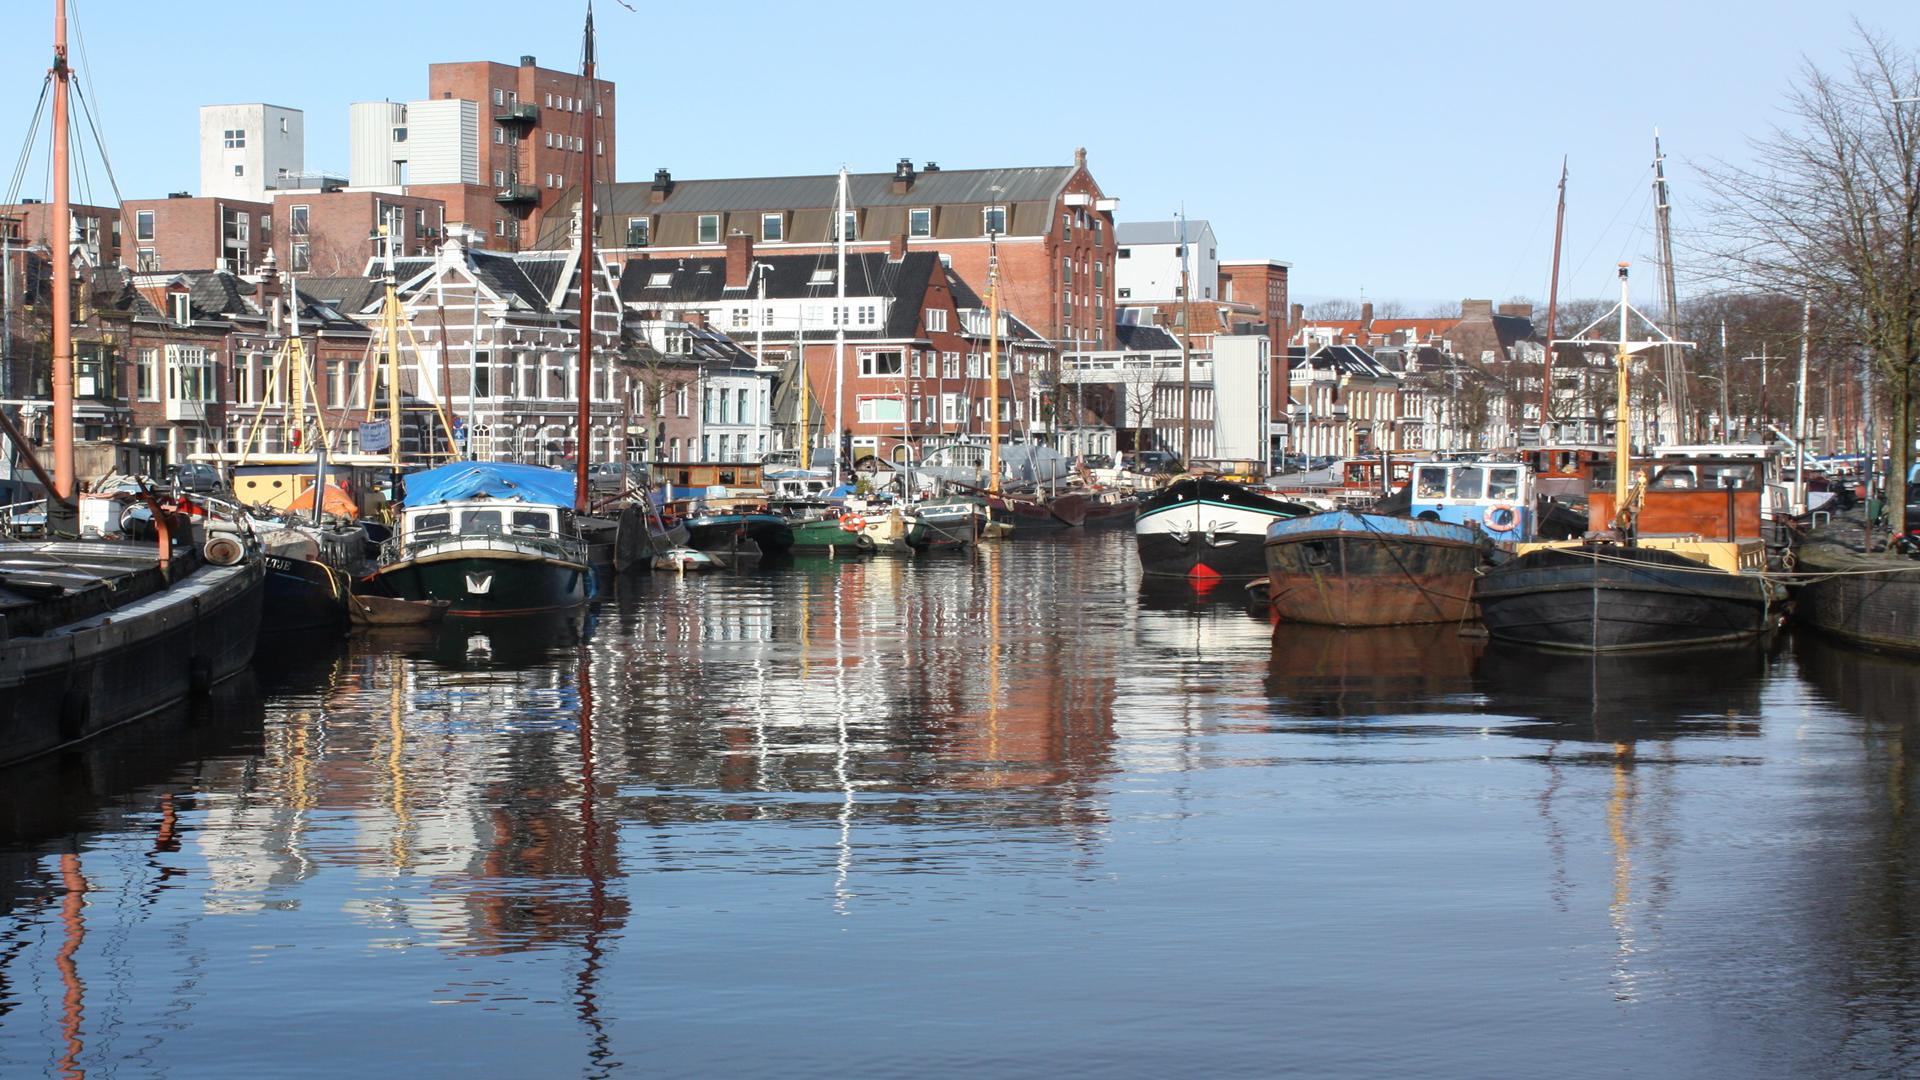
(224, 550)
(853, 523)
(1501, 517)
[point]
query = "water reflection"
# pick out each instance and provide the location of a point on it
(870, 809)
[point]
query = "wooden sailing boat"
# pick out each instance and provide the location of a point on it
(103, 630)
(1675, 559)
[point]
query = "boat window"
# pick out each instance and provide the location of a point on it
(479, 521)
(1433, 483)
(1357, 473)
(531, 521)
(1503, 484)
(1728, 475)
(431, 523)
(1673, 478)
(1468, 483)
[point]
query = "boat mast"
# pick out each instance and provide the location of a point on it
(391, 317)
(1186, 351)
(583, 385)
(839, 318)
(1553, 307)
(1623, 416)
(993, 358)
(1800, 410)
(296, 367)
(1676, 363)
(60, 231)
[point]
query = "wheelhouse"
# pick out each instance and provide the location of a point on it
(487, 518)
(1494, 495)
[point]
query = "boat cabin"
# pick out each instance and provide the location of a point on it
(1363, 480)
(1715, 498)
(1493, 495)
(486, 517)
(1566, 472)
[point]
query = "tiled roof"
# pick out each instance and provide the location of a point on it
(789, 277)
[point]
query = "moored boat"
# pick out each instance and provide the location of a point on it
(735, 531)
(1347, 568)
(490, 539)
(1870, 599)
(1204, 529)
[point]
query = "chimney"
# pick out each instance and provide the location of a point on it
(897, 247)
(695, 319)
(903, 176)
(1296, 314)
(1522, 310)
(1080, 157)
(527, 61)
(662, 186)
(1366, 315)
(739, 259)
(931, 166)
(1476, 309)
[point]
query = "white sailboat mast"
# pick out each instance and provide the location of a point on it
(839, 319)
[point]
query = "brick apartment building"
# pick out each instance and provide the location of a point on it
(181, 232)
(916, 339)
(94, 230)
(503, 159)
(330, 233)
(1054, 227)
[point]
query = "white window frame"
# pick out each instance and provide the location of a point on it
(916, 214)
(779, 223)
(700, 228)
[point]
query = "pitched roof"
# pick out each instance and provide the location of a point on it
(1145, 336)
(1158, 232)
(666, 281)
(1349, 360)
(943, 186)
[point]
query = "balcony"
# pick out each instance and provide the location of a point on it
(524, 113)
(513, 194)
(179, 411)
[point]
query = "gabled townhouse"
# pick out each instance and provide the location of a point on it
(1344, 402)
(913, 370)
(1053, 227)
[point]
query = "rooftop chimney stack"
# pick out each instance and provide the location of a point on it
(903, 176)
(897, 247)
(1366, 314)
(662, 186)
(527, 61)
(739, 259)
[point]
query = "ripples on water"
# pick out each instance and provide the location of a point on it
(1004, 815)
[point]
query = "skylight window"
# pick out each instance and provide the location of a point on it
(821, 277)
(659, 281)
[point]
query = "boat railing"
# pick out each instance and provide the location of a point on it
(566, 548)
(12, 513)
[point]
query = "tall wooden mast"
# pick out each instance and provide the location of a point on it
(993, 361)
(583, 384)
(1553, 307)
(1186, 351)
(59, 232)
(1676, 361)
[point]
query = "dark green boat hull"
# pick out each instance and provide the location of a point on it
(483, 585)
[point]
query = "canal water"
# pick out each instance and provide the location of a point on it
(993, 815)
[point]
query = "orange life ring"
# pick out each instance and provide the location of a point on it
(853, 523)
(1493, 517)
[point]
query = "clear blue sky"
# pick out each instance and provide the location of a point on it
(1408, 150)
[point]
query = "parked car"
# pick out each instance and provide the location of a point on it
(614, 477)
(197, 477)
(1155, 462)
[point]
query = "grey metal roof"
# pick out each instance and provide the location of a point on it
(946, 186)
(1145, 336)
(1158, 232)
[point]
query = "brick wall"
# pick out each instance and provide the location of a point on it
(187, 233)
(339, 224)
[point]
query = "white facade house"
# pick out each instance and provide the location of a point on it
(1243, 396)
(1146, 266)
(393, 144)
(249, 150)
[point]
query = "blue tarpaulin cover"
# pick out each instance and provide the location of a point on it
(489, 480)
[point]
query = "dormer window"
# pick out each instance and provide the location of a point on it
(920, 222)
(772, 227)
(709, 228)
(181, 307)
(994, 220)
(637, 230)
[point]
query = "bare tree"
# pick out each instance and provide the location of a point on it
(1831, 211)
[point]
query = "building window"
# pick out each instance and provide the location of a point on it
(399, 134)
(236, 138)
(302, 256)
(1066, 226)
(1123, 253)
(1066, 270)
(499, 178)
(883, 364)
(190, 374)
(146, 374)
(239, 170)
(145, 259)
(499, 135)
(680, 400)
(499, 96)
(849, 227)
(143, 225)
(936, 320)
(1099, 274)
(772, 227)
(499, 227)
(637, 228)
(709, 228)
(882, 410)
(994, 220)
(1123, 293)
(920, 223)
(180, 306)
